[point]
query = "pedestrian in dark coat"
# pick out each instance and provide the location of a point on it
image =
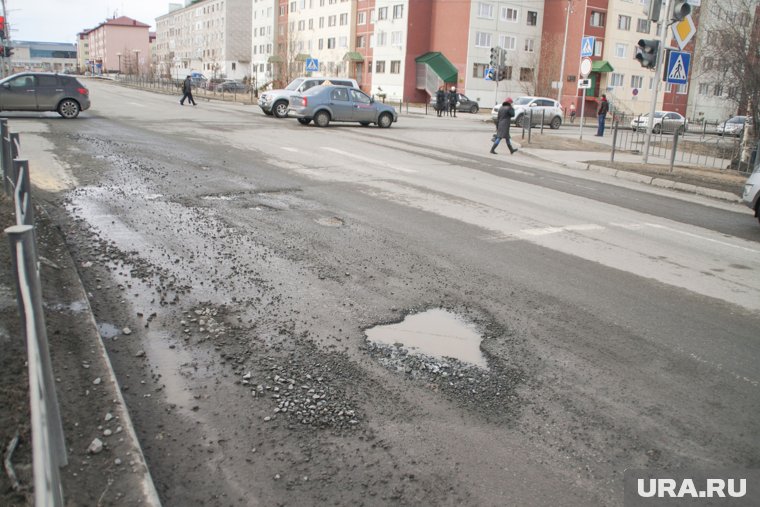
(440, 99)
(601, 114)
(187, 90)
(503, 121)
(453, 98)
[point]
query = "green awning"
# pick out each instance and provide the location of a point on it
(601, 66)
(302, 57)
(275, 59)
(353, 56)
(440, 65)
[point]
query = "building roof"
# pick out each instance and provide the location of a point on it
(122, 21)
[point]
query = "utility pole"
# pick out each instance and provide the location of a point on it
(657, 75)
(564, 53)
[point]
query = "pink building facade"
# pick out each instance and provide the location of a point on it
(119, 45)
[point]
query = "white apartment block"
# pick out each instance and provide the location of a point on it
(263, 40)
(323, 30)
(389, 47)
(212, 37)
(515, 26)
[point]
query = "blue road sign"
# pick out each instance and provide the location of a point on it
(312, 65)
(587, 46)
(678, 67)
(488, 75)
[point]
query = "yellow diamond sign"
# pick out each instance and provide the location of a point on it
(684, 31)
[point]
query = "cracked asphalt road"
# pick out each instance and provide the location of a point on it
(249, 255)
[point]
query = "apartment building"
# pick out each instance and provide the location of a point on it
(262, 40)
(83, 51)
(212, 37)
(119, 45)
(364, 44)
(516, 27)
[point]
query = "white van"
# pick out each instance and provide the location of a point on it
(751, 196)
(276, 102)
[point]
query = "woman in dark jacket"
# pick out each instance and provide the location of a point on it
(503, 121)
(440, 99)
(453, 98)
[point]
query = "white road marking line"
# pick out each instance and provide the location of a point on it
(567, 228)
(368, 160)
(288, 148)
(137, 104)
(697, 236)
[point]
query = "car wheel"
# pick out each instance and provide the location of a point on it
(474, 109)
(68, 108)
(519, 121)
(556, 122)
(322, 119)
(384, 121)
(304, 121)
(657, 129)
(280, 109)
(364, 123)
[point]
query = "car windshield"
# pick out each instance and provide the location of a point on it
(523, 101)
(295, 84)
(736, 119)
(658, 114)
(313, 90)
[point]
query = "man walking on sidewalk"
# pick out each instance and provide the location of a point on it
(601, 114)
(187, 90)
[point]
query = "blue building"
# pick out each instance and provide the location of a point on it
(43, 56)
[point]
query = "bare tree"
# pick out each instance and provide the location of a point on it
(728, 53)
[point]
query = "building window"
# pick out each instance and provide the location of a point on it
(732, 92)
(361, 17)
(331, 43)
(369, 67)
(321, 44)
(360, 41)
(395, 38)
(704, 89)
(302, 25)
(680, 89)
(508, 42)
(508, 73)
(344, 19)
(597, 18)
(292, 7)
(532, 18)
(382, 39)
(380, 66)
(283, 10)
(529, 45)
(483, 39)
(598, 46)
(643, 25)
(637, 81)
(322, 22)
(395, 66)
(621, 50)
(624, 22)
(718, 90)
(311, 23)
(331, 21)
(485, 10)
(479, 70)
(382, 13)
(343, 42)
(509, 14)
(526, 74)
(616, 80)
(398, 12)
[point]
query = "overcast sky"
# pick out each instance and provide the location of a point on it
(61, 20)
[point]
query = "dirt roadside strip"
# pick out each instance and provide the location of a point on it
(91, 403)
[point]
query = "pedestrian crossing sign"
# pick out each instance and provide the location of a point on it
(587, 46)
(312, 65)
(678, 67)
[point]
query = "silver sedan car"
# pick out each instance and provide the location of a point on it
(327, 103)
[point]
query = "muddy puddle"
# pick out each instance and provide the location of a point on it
(436, 333)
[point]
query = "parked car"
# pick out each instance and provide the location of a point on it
(751, 195)
(231, 86)
(324, 104)
(198, 80)
(42, 91)
(664, 121)
(543, 108)
(463, 104)
(276, 102)
(732, 127)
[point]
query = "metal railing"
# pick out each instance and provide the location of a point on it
(48, 443)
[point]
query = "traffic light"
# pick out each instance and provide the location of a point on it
(502, 74)
(7, 51)
(653, 14)
(2, 27)
(646, 53)
(681, 10)
(495, 57)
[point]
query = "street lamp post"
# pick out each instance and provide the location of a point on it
(564, 54)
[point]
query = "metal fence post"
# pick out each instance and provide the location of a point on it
(530, 124)
(614, 139)
(22, 193)
(673, 153)
(48, 444)
(543, 117)
(5, 156)
(15, 145)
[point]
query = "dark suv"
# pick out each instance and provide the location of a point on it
(42, 91)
